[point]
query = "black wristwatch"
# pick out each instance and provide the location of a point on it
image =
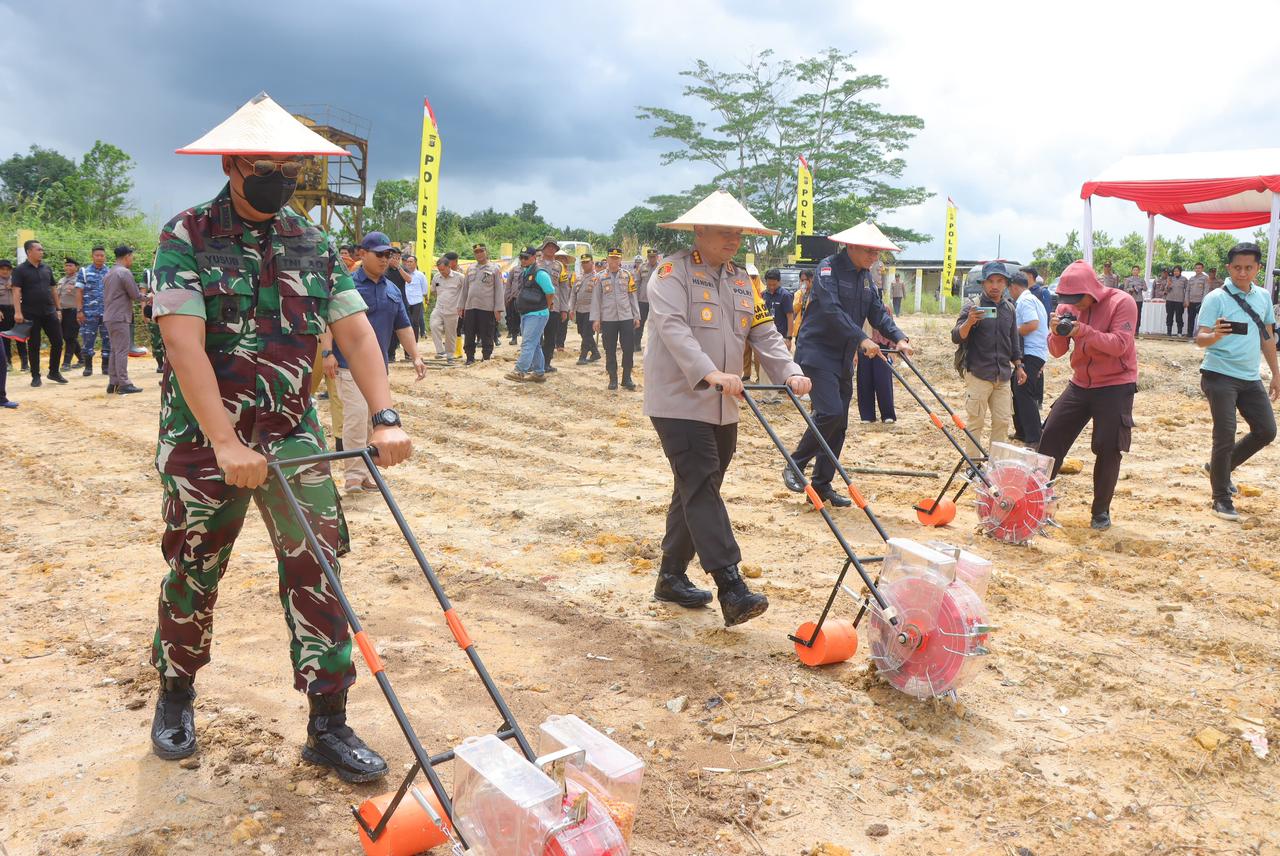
(386, 417)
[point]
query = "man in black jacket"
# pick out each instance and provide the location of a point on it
(988, 330)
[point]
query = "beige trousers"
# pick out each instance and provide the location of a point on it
(355, 425)
(983, 396)
(444, 330)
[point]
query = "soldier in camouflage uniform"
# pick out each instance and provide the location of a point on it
(244, 288)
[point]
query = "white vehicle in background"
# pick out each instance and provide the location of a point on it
(575, 249)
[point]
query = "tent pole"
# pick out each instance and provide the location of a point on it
(1151, 243)
(1088, 231)
(1272, 233)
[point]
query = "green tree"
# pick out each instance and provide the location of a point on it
(771, 112)
(26, 176)
(392, 211)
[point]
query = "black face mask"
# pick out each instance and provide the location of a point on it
(268, 194)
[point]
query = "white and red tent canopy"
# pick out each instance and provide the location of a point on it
(1208, 190)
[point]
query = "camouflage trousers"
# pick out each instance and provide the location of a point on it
(202, 519)
(157, 341)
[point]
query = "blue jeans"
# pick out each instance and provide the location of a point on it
(531, 327)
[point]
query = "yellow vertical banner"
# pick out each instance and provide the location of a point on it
(949, 256)
(804, 204)
(428, 185)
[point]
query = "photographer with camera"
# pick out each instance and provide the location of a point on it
(1237, 329)
(1097, 324)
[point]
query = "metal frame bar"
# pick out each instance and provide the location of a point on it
(852, 559)
(423, 762)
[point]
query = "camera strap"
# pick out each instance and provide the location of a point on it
(1244, 304)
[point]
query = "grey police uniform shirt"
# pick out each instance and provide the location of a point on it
(482, 288)
(1110, 280)
(616, 297)
(1177, 292)
(559, 279)
(584, 290)
(702, 320)
(1135, 287)
(448, 290)
(643, 276)
(1196, 288)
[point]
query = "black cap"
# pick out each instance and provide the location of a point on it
(71, 261)
(123, 250)
(528, 252)
(451, 256)
(5, 263)
(586, 257)
(615, 252)
(475, 247)
(375, 242)
(1018, 278)
(773, 273)
(1070, 298)
(991, 269)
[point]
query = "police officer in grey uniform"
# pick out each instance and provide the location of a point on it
(482, 304)
(645, 271)
(705, 312)
(582, 294)
(615, 315)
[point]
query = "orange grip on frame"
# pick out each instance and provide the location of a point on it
(936, 420)
(959, 422)
(455, 627)
(858, 499)
(813, 496)
(367, 651)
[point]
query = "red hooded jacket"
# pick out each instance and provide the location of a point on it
(1105, 353)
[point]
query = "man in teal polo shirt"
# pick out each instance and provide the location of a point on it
(1237, 328)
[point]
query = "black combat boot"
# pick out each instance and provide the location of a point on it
(173, 729)
(332, 743)
(673, 585)
(613, 381)
(104, 363)
(88, 366)
(627, 383)
(737, 602)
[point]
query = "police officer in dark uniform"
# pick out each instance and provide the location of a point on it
(842, 299)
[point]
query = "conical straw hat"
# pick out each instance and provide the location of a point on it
(719, 209)
(262, 127)
(866, 235)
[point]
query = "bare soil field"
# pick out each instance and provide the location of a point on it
(542, 508)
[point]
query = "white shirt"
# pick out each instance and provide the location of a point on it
(1029, 308)
(415, 288)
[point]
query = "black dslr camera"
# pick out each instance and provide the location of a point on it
(1064, 325)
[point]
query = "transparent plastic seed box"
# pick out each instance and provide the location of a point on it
(1033, 459)
(612, 774)
(971, 569)
(503, 805)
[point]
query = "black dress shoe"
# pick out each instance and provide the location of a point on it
(35, 381)
(673, 586)
(837, 500)
(173, 728)
(88, 368)
(57, 378)
(791, 480)
(111, 389)
(332, 743)
(738, 604)
(613, 383)
(594, 358)
(582, 361)
(630, 385)
(127, 389)
(1101, 522)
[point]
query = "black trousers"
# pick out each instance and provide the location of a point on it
(831, 396)
(1193, 309)
(416, 320)
(1026, 400)
(875, 386)
(551, 335)
(7, 314)
(564, 331)
(611, 332)
(513, 321)
(644, 317)
(587, 334)
(897, 305)
(1227, 395)
(478, 324)
(1172, 311)
(697, 520)
(51, 325)
(1111, 410)
(70, 336)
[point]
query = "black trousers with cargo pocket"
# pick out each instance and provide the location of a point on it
(1110, 408)
(697, 520)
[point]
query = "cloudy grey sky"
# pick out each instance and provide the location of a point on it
(1022, 101)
